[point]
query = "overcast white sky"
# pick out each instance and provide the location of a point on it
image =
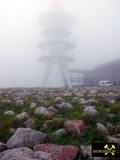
(97, 32)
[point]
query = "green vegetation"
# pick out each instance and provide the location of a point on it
(91, 135)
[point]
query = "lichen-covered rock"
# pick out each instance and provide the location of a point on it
(90, 111)
(41, 111)
(110, 128)
(29, 124)
(59, 100)
(60, 105)
(75, 99)
(47, 124)
(60, 132)
(33, 105)
(18, 154)
(76, 127)
(84, 102)
(42, 155)
(102, 128)
(86, 151)
(9, 113)
(22, 116)
(6, 101)
(3, 147)
(52, 111)
(19, 102)
(58, 152)
(68, 106)
(64, 105)
(112, 139)
(25, 137)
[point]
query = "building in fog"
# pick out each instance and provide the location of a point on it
(109, 71)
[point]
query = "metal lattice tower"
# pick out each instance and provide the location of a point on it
(56, 42)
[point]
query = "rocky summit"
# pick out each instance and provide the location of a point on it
(57, 124)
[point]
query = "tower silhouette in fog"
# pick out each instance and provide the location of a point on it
(57, 43)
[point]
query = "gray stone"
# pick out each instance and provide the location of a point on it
(112, 139)
(41, 111)
(60, 132)
(18, 154)
(3, 147)
(22, 116)
(68, 106)
(9, 113)
(42, 155)
(25, 137)
(20, 103)
(30, 123)
(6, 101)
(33, 105)
(90, 111)
(64, 106)
(102, 128)
(59, 100)
(86, 151)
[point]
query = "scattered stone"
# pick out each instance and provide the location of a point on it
(64, 106)
(20, 103)
(86, 151)
(59, 100)
(52, 111)
(6, 101)
(3, 147)
(110, 128)
(58, 152)
(29, 124)
(9, 113)
(112, 101)
(68, 106)
(22, 116)
(42, 155)
(33, 105)
(112, 139)
(60, 106)
(90, 111)
(46, 103)
(84, 102)
(18, 154)
(102, 128)
(26, 137)
(41, 111)
(75, 99)
(76, 127)
(47, 124)
(60, 132)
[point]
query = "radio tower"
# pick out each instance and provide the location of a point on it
(56, 42)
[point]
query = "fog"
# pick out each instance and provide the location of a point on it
(96, 32)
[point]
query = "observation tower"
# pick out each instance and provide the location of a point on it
(57, 43)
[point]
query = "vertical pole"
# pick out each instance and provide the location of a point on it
(47, 72)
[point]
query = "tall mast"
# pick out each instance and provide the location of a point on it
(57, 42)
(56, 5)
